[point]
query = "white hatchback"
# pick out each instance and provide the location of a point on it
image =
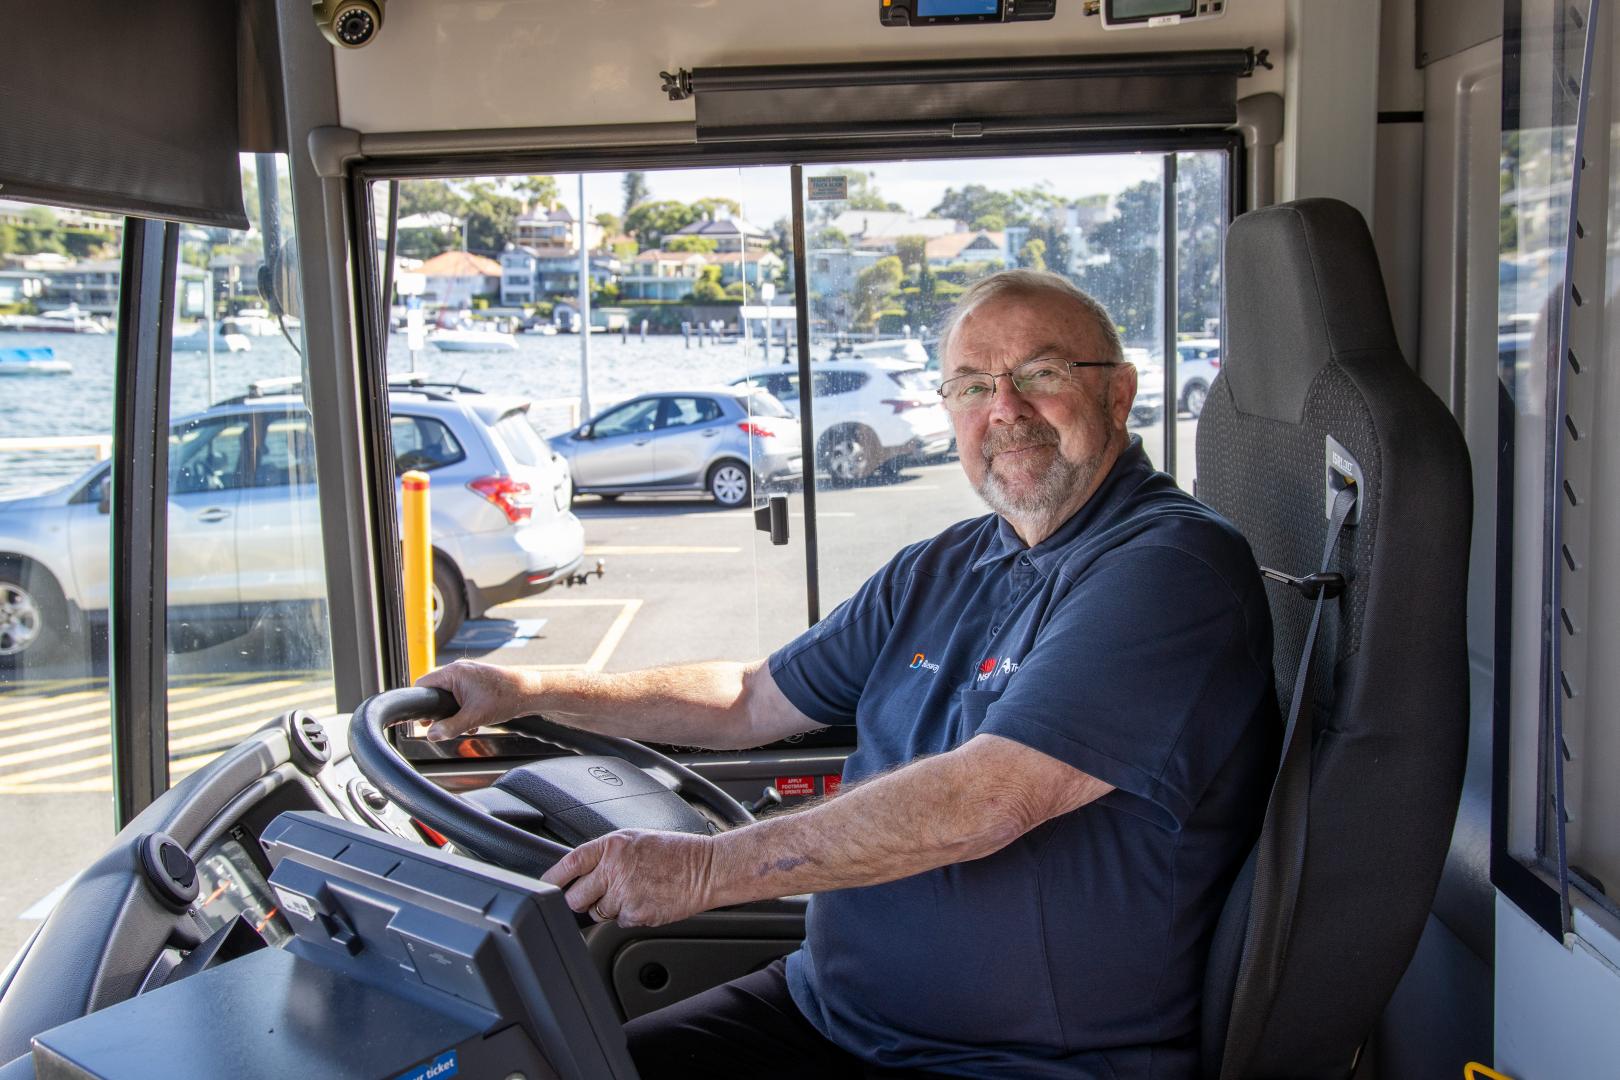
(868, 413)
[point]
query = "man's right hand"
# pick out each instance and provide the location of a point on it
(487, 695)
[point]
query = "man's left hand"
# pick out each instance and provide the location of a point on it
(638, 878)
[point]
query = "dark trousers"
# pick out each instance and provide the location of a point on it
(748, 1028)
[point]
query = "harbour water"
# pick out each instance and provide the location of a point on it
(545, 369)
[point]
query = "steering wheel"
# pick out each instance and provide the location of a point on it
(608, 784)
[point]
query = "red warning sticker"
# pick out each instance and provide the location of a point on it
(791, 786)
(831, 783)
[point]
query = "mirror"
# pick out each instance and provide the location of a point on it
(104, 494)
(584, 431)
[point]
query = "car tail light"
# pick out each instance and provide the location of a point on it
(512, 497)
(903, 404)
(756, 429)
(1215, 362)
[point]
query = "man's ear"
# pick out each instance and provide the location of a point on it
(1122, 394)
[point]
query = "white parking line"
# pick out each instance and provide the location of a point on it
(659, 549)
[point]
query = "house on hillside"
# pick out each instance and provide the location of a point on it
(92, 284)
(455, 277)
(730, 235)
(752, 267)
(833, 270)
(880, 230)
(981, 246)
(553, 229)
(662, 275)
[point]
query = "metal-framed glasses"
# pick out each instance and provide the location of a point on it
(1032, 378)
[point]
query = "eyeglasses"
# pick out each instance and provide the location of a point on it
(1032, 378)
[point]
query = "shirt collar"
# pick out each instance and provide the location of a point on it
(1129, 469)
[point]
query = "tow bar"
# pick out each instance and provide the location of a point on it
(583, 577)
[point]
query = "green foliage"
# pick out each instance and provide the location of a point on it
(625, 250)
(1033, 254)
(610, 223)
(710, 209)
(702, 244)
(491, 217)
(650, 222)
(635, 191)
(707, 289)
(541, 191)
(480, 303)
(911, 251)
(991, 222)
(875, 288)
(975, 203)
(737, 290)
(829, 237)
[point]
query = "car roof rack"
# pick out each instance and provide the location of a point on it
(292, 385)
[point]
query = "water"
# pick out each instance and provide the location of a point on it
(544, 369)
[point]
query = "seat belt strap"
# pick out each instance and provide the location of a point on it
(1280, 851)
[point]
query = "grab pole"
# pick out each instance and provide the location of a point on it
(417, 569)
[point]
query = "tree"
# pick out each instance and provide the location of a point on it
(611, 224)
(540, 191)
(635, 191)
(976, 203)
(709, 209)
(1033, 254)
(911, 251)
(650, 222)
(491, 218)
(1128, 282)
(874, 288)
(707, 289)
(703, 244)
(1201, 231)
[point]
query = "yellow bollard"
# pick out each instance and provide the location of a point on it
(417, 569)
(1475, 1071)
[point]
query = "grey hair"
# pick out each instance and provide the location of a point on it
(1026, 282)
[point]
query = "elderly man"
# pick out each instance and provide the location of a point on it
(1039, 823)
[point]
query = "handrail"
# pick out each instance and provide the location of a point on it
(101, 445)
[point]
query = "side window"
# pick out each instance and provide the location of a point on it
(520, 439)
(286, 453)
(206, 455)
(421, 442)
(686, 411)
(636, 417)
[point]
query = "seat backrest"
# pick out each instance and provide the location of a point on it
(1311, 355)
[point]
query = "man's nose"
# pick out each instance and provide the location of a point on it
(1007, 405)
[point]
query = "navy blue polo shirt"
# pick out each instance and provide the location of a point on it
(1134, 644)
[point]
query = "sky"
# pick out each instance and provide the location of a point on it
(916, 185)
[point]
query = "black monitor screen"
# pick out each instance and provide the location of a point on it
(1143, 10)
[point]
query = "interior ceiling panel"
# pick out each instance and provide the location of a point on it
(470, 64)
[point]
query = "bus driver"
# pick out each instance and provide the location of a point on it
(1064, 723)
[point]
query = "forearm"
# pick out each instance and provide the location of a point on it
(933, 812)
(692, 705)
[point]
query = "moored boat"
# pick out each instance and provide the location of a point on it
(39, 360)
(473, 341)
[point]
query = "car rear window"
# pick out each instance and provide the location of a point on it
(913, 380)
(421, 442)
(837, 382)
(760, 403)
(520, 438)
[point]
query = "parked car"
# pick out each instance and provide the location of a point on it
(728, 441)
(244, 531)
(1148, 408)
(868, 412)
(1198, 361)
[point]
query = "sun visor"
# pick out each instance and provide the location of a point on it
(965, 98)
(129, 108)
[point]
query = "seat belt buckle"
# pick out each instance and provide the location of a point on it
(1328, 583)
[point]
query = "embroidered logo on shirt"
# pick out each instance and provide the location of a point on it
(921, 661)
(992, 665)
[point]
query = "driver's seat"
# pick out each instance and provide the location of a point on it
(1311, 358)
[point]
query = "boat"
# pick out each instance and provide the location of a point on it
(39, 360)
(473, 341)
(197, 341)
(68, 320)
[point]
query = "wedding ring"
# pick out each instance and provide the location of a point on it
(598, 914)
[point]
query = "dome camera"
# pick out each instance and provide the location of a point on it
(349, 24)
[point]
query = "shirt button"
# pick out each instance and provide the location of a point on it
(994, 630)
(1023, 560)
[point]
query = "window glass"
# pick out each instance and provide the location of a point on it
(684, 411)
(60, 282)
(520, 439)
(1202, 199)
(423, 443)
(247, 628)
(763, 404)
(633, 419)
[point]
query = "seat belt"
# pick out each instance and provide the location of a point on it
(1280, 851)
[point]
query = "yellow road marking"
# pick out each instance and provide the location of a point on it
(659, 549)
(14, 706)
(614, 635)
(104, 737)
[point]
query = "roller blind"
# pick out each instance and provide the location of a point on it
(129, 108)
(967, 97)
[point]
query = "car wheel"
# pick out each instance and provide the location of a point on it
(730, 484)
(849, 455)
(33, 615)
(1193, 398)
(449, 604)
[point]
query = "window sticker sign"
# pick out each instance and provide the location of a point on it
(829, 188)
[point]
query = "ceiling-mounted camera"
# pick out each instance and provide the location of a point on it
(349, 24)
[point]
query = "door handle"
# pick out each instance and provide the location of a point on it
(213, 514)
(711, 433)
(642, 442)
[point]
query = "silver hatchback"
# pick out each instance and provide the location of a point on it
(729, 441)
(244, 524)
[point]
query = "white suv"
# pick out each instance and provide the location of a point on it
(868, 413)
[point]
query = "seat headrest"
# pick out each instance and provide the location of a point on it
(1309, 291)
